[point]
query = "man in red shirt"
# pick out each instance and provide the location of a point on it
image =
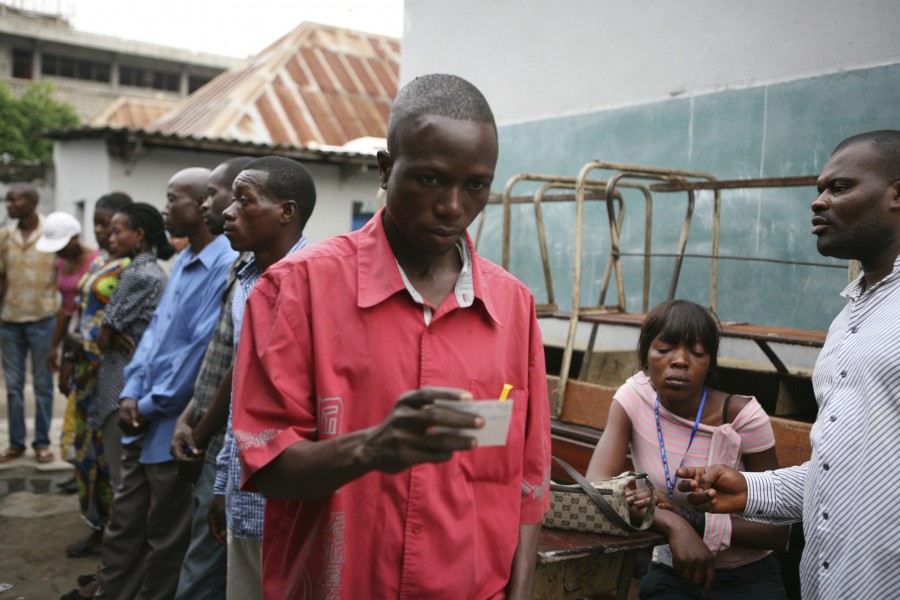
(345, 347)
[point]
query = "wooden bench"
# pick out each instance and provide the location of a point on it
(572, 564)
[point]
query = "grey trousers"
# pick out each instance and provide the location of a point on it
(148, 531)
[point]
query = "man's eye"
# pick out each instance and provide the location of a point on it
(476, 186)
(428, 180)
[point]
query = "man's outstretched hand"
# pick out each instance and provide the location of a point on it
(716, 489)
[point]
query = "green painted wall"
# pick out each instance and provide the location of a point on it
(772, 131)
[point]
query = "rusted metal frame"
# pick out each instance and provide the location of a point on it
(550, 198)
(648, 244)
(770, 354)
(616, 253)
(714, 267)
(493, 198)
(636, 171)
(735, 184)
(682, 244)
(607, 271)
(550, 181)
(542, 238)
(507, 201)
(777, 261)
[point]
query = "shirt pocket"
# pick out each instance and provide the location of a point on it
(498, 464)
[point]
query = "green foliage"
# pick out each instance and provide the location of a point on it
(24, 119)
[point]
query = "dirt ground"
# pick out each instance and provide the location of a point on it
(37, 521)
(32, 558)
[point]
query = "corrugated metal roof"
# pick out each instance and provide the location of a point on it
(316, 85)
(127, 142)
(129, 112)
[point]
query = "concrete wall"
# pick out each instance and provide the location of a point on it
(85, 171)
(542, 59)
(741, 90)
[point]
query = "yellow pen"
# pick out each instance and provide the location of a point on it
(506, 389)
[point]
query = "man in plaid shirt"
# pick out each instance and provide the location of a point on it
(28, 296)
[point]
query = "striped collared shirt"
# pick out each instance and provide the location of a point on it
(846, 493)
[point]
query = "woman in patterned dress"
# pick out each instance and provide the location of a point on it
(79, 372)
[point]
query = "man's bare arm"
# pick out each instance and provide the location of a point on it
(521, 579)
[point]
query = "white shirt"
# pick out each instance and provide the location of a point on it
(847, 493)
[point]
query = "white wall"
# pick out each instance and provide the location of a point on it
(335, 193)
(82, 174)
(544, 58)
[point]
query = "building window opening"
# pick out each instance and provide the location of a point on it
(363, 210)
(149, 78)
(74, 68)
(23, 64)
(195, 82)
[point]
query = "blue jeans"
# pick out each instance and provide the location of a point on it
(204, 568)
(17, 340)
(755, 581)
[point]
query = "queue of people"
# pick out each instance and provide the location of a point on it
(262, 422)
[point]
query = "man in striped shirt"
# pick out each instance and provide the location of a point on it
(845, 494)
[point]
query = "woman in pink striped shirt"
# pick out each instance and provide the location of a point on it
(672, 418)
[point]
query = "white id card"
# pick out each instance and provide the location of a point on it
(496, 415)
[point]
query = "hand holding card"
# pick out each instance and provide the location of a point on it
(496, 415)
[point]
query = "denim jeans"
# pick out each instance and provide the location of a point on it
(17, 341)
(204, 568)
(755, 581)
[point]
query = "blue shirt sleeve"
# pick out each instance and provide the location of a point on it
(174, 383)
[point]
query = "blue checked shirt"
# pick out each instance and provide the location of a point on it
(244, 511)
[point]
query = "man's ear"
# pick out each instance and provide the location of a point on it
(894, 191)
(385, 163)
(289, 211)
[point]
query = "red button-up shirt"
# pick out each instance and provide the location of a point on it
(331, 339)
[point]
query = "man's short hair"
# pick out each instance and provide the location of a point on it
(439, 94)
(25, 189)
(288, 180)
(886, 143)
(233, 166)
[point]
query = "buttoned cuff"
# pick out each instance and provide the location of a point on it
(762, 496)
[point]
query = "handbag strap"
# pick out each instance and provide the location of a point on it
(594, 495)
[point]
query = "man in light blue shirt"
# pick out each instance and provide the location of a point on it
(273, 199)
(149, 524)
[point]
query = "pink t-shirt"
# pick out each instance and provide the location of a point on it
(749, 433)
(69, 284)
(331, 338)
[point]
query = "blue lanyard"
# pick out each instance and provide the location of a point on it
(670, 483)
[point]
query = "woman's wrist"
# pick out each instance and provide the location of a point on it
(694, 518)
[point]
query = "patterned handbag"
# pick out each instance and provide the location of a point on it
(597, 507)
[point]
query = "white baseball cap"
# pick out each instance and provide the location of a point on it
(59, 228)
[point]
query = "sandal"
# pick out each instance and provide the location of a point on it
(85, 547)
(11, 454)
(43, 455)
